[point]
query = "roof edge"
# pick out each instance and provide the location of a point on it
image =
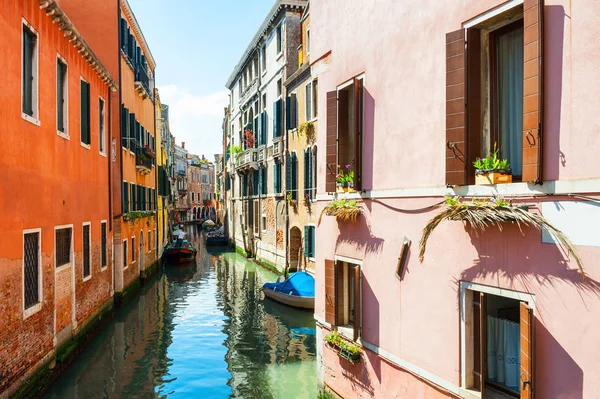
(138, 31)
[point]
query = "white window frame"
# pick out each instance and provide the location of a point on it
(149, 234)
(35, 95)
(264, 60)
(502, 292)
(101, 132)
(64, 134)
(308, 111)
(84, 145)
(308, 41)
(71, 250)
(38, 306)
(84, 278)
(345, 330)
(279, 30)
(125, 251)
(263, 217)
(103, 268)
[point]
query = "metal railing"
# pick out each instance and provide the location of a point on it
(141, 75)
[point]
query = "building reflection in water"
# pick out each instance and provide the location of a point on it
(199, 331)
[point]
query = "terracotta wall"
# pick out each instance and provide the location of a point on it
(47, 181)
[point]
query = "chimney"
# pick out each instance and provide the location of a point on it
(183, 145)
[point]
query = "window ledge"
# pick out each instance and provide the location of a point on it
(63, 135)
(30, 119)
(103, 268)
(102, 154)
(87, 146)
(88, 278)
(32, 310)
(279, 55)
(63, 267)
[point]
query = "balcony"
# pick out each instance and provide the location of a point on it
(182, 192)
(247, 160)
(143, 163)
(262, 154)
(249, 92)
(277, 147)
(181, 172)
(142, 82)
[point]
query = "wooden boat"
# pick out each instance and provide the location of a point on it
(179, 251)
(216, 240)
(297, 290)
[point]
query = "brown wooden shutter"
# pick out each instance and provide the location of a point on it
(455, 108)
(358, 133)
(527, 334)
(331, 136)
(473, 103)
(533, 84)
(330, 308)
(479, 340)
(357, 303)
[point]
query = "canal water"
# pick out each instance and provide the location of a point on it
(201, 331)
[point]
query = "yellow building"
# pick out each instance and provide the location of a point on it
(163, 184)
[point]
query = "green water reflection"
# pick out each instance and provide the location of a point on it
(202, 331)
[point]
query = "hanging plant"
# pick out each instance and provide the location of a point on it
(307, 129)
(344, 210)
(481, 214)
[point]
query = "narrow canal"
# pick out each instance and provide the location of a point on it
(201, 331)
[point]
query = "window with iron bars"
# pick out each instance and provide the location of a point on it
(31, 270)
(63, 246)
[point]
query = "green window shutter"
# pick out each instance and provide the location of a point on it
(133, 206)
(255, 176)
(84, 106)
(125, 196)
(306, 172)
(307, 241)
(265, 118)
(294, 111)
(265, 174)
(288, 113)
(275, 120)
(275, 178)
(279, 117)
(294, 176)
(260, 181)
(130, 143)
(28, 47)
(288, 173)
(313, 241)
(311, 172)
(60, 95)
(259, 126)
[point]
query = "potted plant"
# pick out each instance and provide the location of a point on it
(291, 200)
(307, 200)
(307, 129)
(492, 170)
(140, 159)
(481, 214)
(148, 151)
(345, 180)
(344, 210)
(344, 349)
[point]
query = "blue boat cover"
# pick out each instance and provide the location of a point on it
(297, 284)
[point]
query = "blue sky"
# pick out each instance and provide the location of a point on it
(196, 44)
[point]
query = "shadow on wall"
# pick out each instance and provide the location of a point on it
(358, 235)
(554, 158)
(512, 255)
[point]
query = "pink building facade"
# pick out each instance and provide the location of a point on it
(410, 94)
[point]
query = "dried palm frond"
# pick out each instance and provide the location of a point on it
(481, 215)
(343, 213)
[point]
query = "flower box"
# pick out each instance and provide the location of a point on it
(344, 349)
(499, 176)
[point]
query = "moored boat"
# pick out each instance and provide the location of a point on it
(297, 290)
(179, 251)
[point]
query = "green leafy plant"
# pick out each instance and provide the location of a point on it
(346, 349)
(307, 129)
(497, 211)
(137, 215)
(236, 151)
(343, 209)
(345, 177)
(491, 162)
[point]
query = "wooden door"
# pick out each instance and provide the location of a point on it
(527, 329)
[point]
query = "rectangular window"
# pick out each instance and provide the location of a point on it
(101, 122)
(125, 195)
(132, 249)
(309, 242)
(264, 103)
(279, 88)
(308, 102)
(264, 58)
(264, 222)
(315, 98)
(63, 246)
(149, 241)
(31, 269)
(277, 178)
(103, 247)
(307, 41)
(498, 340)
(291, 175)
(256, 218)
(279, 38)
(30, 73)
(86, 241)
(61, 96)
(125, 260)
(192, 197)
(85, 113)
(343, 292)
(344, 138)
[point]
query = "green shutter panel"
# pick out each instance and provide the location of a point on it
(125, 197)
(265, 174)
(310, 173)
(82, 111)
(288, 113)
(279, 117)
(295, 176)
(259, 128)
(260, 181)
(306, 242)
(130, 143)
(275, 124)
(313, 241)
(28, 45)
(265, 126)
(288, 173)
(132, 199)
(306, 172)
(294, 112)
(123, 125)
(275, 178)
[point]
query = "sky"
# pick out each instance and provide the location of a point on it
(196, 44)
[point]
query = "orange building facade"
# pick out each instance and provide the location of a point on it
(56, 233)
(136, 227)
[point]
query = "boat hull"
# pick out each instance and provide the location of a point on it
(179, 256)
(216, 241)
(304, 302)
